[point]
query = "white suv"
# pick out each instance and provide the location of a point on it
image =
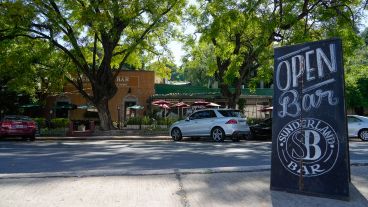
(216, 123)
(358, 127)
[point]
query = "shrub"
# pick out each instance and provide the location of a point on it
(134, 121)
(60, 122)
(40, 121)
(252, 121)
(166, 121)
(147, 121)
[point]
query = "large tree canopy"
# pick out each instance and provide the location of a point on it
(97, 36)
(243, 33)
(356, 79)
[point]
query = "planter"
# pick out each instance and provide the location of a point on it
(133, 126)
(146, 126)
(162, 126)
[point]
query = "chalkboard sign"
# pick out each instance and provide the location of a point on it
(309, 134)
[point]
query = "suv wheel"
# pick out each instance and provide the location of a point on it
(218, 134)
(176, 134)
(363, 135)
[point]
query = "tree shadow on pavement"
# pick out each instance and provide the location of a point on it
(253, 189)
(284, 199)
(61, 156)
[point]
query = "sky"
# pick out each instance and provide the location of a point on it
(177, 50)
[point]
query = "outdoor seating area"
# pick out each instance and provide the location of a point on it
(181, 109)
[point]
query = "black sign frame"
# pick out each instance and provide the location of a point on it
(310, 152)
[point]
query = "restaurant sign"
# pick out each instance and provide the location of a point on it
(126, 81)
(309, 134)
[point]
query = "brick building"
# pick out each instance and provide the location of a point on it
(134, 88)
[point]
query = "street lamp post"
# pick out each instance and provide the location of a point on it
(118, 108)
(49, 119)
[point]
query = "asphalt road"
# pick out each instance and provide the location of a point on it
(61, 156)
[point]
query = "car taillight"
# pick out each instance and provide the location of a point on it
(232, 121)
(31, 125)
(6, 125)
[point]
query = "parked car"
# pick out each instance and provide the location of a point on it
(18, 126)
(215, 123)
(262, 130)
(358, 127)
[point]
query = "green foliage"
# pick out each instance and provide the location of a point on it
(60, 132)
(56, 123)
(33, 68)
(242, 35)
(98, 37)
(241, 103)
(364, 35)
(134, 121)
(41, 122)
(166, 121)
(253, 121)
(60, 122)
(147, 120)
(177, 74)
(356, 79)
(201, 67)
(162, 68)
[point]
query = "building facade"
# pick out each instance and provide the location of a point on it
(134, 88)
(138, 88)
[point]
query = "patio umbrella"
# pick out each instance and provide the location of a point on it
(136, 107)
(164, 106)
(160, 102)
(266, 109)
(200, 103)
(181, 105)
(87, 107)
(213, 105)
(30, 106)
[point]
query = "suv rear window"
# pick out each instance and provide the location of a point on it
(231, 113)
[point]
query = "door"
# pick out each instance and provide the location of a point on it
(189, 127)
(128, 112)
(206, 122)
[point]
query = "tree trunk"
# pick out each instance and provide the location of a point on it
(104, 115)
(232, 101)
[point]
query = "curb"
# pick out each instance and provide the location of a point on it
(103, 138)
(104, 173)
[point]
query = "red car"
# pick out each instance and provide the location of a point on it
(18, 126)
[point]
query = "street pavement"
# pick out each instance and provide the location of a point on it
(212, 185)
(231, 189)
(130, 156)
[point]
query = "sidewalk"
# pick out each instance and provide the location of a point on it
(180, 189)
